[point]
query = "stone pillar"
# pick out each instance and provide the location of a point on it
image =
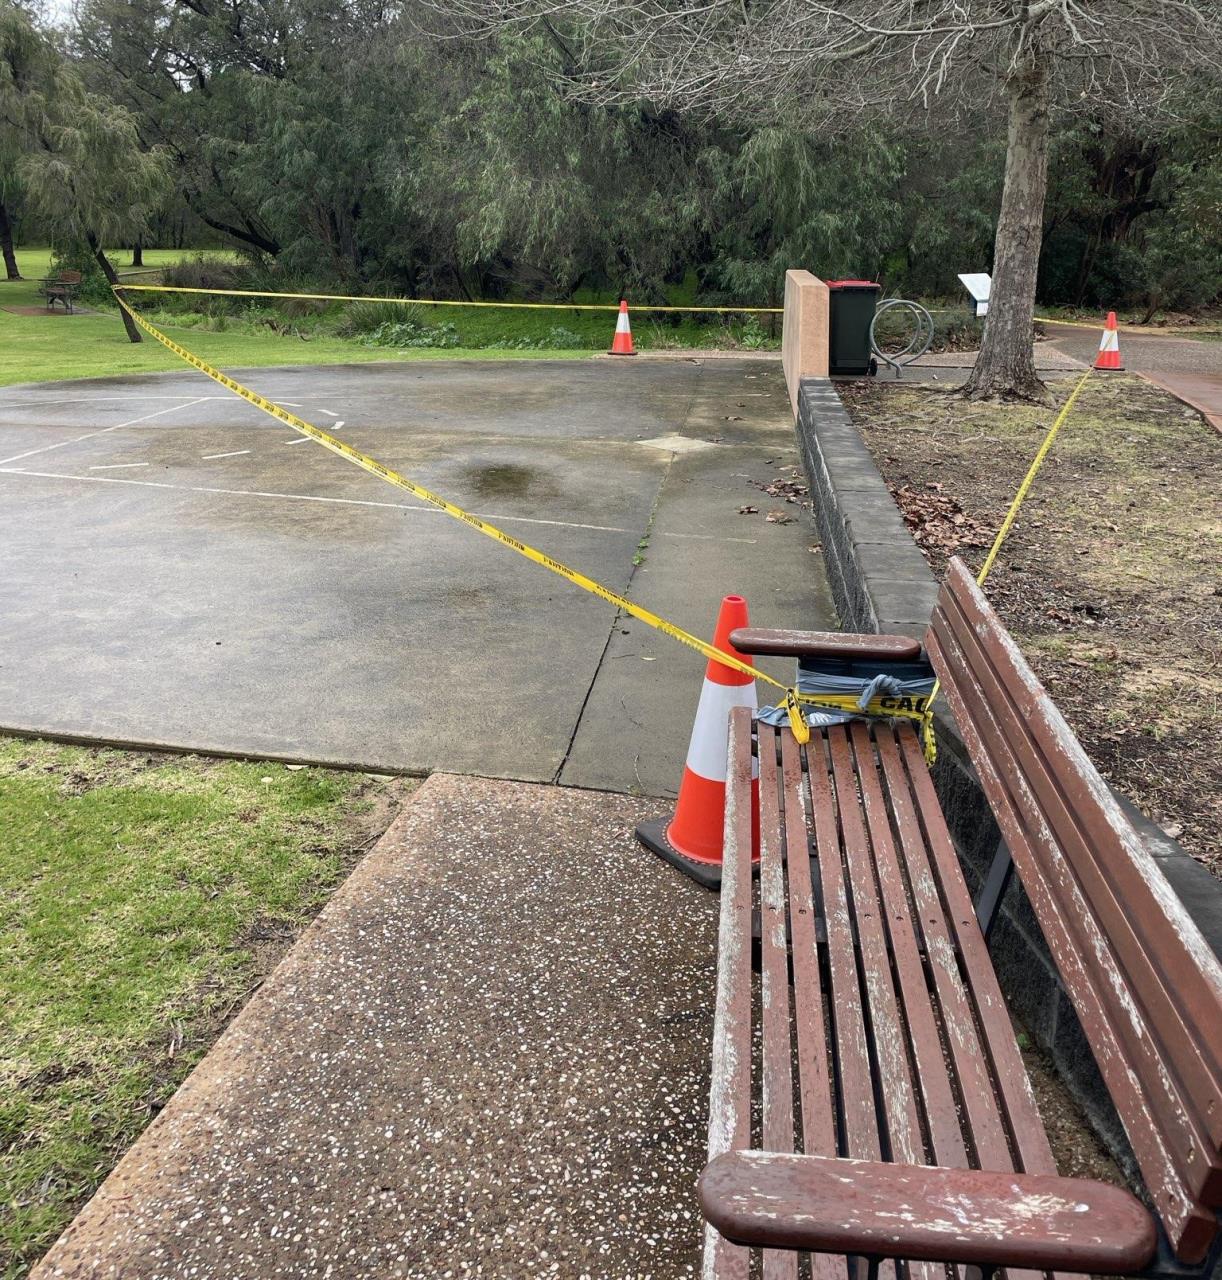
(805, 331)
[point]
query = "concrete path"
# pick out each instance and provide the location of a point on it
(178, 569)
(487, 1057)
(1189, 368)
(1202, 391)
(1151, 352)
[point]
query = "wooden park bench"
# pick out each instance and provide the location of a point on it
(869, 1100)
(62, 288)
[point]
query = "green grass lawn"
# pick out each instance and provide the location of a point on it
(233, 334)
(141, 897)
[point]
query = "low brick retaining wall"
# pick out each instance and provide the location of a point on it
(881, 582)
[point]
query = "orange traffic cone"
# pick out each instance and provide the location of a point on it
(621, 344)
(1109, 346)
(692, 839)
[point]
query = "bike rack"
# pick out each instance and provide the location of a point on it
(918, 344)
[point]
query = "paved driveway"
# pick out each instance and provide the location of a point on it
(180, 569)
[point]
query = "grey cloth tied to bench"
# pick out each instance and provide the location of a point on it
(865, 688)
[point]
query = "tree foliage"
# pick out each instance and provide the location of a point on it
(75, 155)
(395, 147)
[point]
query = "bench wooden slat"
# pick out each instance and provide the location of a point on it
(1140, 1010)
(858, 1121)
(859, 1126)
(815, 1086)
(989, 1091)
(900, 1123)
(1001, 1060)
(730, 1089)
(1159, 959)
(1157, 1160)
(1131, 1054)
(932, 1077)
(814, 1082)
(778, 1118)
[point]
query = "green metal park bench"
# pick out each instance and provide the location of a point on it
(869, 1100)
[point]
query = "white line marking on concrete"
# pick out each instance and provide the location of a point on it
(299, 440)
(134, 395)
(46, 448)
(208, 457)
(335, 426)
(329, 413)
(361, 502)
(117, 466)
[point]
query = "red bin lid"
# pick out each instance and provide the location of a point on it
(852, 284)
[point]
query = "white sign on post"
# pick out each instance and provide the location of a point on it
(979, 285)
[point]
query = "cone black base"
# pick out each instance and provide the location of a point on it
(652, 835)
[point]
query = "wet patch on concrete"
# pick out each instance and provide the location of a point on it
(507, 480)
(488, 1056)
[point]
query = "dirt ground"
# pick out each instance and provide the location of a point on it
(1110, 576)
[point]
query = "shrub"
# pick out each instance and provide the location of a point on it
(408, 333)
(557, 338)
(201, 272)
(360, 318)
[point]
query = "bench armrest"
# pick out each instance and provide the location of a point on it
(925, 1212)
(825, 644)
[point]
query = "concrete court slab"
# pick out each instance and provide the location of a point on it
(488, 1056)
(646, 677)
(178, 570)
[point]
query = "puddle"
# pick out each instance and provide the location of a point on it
(507, 480)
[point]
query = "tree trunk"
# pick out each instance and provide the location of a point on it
(6, 246)
(1006, 364)
(109, 272)
(138, 254)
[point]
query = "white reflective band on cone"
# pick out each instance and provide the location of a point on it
(707, 753)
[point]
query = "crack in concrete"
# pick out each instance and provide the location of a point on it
(637, 561)
(627, 591)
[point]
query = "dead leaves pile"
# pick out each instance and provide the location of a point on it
(938, 523)
(786, 486)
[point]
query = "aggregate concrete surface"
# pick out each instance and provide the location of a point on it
(488, 1056)
(1189, 368)
(1203, 391)
(1152, 352)
(179, 569)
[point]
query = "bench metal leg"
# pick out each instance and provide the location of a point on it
(996, 882)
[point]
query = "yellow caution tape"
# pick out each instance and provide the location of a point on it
(1036, 462)
(447, 302)
(1006, 525)
(792, 699)
(797, 721)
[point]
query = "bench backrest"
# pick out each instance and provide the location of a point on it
(1146, 985)
(68, 277)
